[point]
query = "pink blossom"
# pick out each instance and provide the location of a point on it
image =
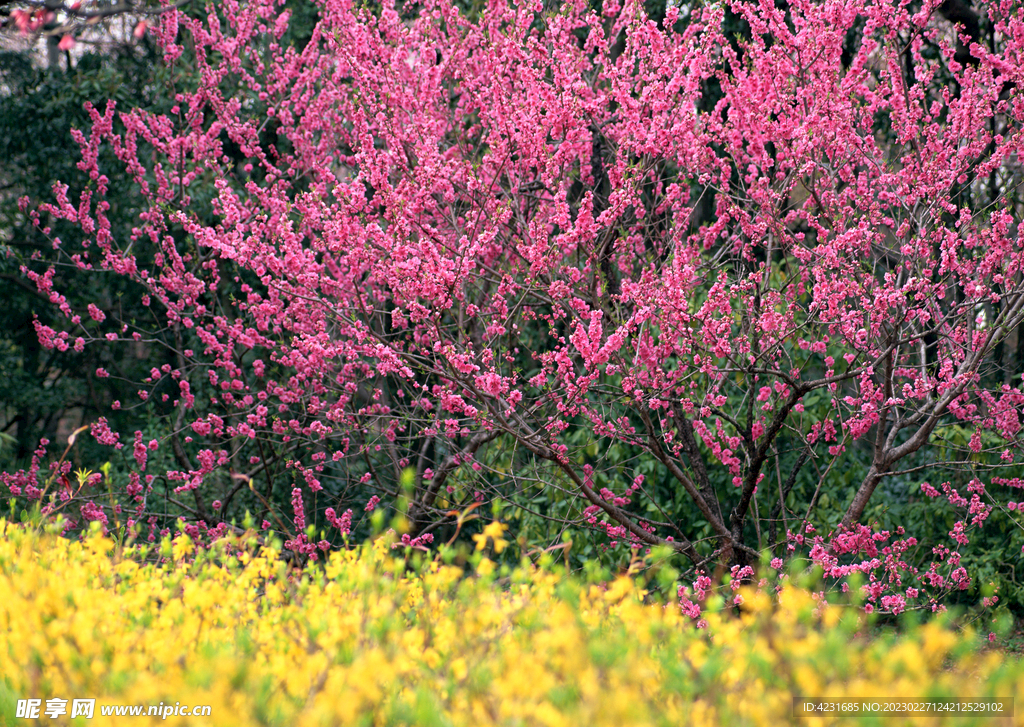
(343, 524)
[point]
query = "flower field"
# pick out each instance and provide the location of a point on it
(369, 638)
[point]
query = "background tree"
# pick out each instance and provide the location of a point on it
(45, 390)
(55, 28)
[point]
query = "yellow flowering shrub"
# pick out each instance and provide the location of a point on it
(365, 639)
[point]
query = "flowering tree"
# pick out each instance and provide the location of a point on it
(430, 236)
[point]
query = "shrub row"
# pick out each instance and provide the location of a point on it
(370, 638)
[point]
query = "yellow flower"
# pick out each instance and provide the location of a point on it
(366, 641)
(459, 669)
(182, 546)
(494, 531)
